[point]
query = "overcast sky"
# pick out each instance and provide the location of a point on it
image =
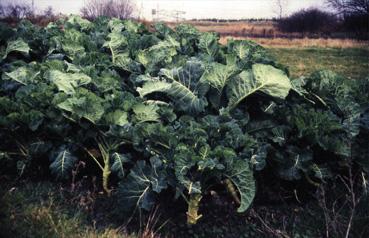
(226, 9)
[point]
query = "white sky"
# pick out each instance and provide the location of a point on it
(223, 9)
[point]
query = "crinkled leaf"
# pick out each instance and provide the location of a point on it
(117, 117)
(184, 160)
(263, 78)
(17, 45)
(146, 112)
(116, 43)
(23, 75)
(116, 25)
(84, 104)
(73, 43)
(68, 82)
(248, 52)
(158, 56)
(125, 62)
(79, 21)
(187, 90)
(152, 86)
(208, 43)
(217, 75)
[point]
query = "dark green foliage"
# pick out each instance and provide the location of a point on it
(170, 111)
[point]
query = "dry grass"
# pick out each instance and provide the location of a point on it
(303, 43)
(266, 34)
(236, 28)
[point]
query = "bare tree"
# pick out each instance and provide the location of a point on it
(16, 11)
(122, 9)
(279, 7)
(2, 11)
(350, 6)
(49, 12)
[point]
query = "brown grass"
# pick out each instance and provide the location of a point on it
(266, 34)
(240, 28)
(302, 43)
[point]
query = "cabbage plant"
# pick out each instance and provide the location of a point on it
(172, 110)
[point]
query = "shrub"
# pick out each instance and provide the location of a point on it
(308, 21)
(122, 9)
(357, 23)
(16, 11)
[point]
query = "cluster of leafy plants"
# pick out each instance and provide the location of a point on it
(154, 110)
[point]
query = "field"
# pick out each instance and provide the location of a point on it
(350, 62)
(112, 130)
(242, 28)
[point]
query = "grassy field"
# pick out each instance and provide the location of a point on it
(350, 62)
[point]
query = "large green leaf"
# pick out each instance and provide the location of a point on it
(145, 112)
(116, 43)
(262, 78)
(81, 22)
(185, 159)
(187, 89)
(240, 174)
(84, 104)
(68, 82)
(183, 85)
(116, 25)
(118, 164)
(248, 52)
(125, 62)
(23, 75)
(217, 75)
(17, 45)
(322, 128)
(208, 43)
(159, 55)
(62, 162)
(117, 117)
(139, 188)
(73, 43)
(153, 85)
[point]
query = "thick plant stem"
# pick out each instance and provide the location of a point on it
(193, 209)
(106, 170)
(112, 55)
(106, 174)
(232, 190)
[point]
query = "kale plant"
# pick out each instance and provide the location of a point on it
(164, 109)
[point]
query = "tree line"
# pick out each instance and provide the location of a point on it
(350, 16)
